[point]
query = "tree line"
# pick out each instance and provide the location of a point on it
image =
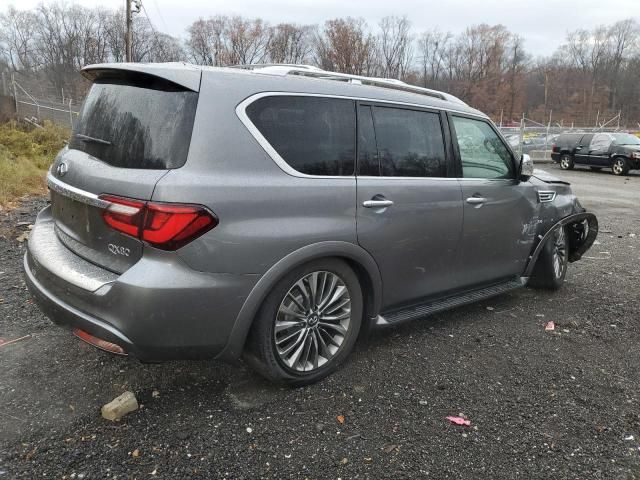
(590, 78)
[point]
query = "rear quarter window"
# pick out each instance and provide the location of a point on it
(313, 135)
(136, 126)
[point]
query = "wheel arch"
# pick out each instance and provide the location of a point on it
(579, 241)
(355, 256)
(616, 156)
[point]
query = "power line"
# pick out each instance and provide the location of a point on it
(164, 24)
(153, 29)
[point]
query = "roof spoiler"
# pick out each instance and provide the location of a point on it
(186, 76)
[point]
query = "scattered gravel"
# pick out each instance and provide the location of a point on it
(542, 404)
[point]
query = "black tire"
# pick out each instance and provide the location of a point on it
(262, 353)
(620, 166)
(596, 169)
(545, 273)
(566, 162)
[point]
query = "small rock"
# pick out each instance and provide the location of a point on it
(155, 394)
(120, 406)
(23, 237)
(135, 453)
(249, 430)
(344, 461)
(423, 402)
(629, 438)
(319, 427)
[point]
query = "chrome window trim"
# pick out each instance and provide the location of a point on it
(241, 112)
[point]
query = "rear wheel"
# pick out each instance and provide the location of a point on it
(308, 324)
(551, 266)
(620, 166)
(566, 162)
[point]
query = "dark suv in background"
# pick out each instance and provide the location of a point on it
(618, 151)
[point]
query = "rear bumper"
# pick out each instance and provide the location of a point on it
(555, 156)
(159, 309)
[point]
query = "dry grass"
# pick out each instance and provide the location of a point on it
(26, 153)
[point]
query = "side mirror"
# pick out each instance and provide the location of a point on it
(526, 168)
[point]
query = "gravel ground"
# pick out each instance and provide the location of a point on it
(562, 404)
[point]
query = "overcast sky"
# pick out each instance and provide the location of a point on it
(542, 23)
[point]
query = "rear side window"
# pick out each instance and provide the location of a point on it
(132, 126)
(314, 135)
(410, 143)
(367, 148)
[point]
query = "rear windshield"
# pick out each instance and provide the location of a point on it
(135, 126)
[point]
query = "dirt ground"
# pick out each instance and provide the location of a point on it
(562, 404)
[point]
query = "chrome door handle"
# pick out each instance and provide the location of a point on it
(476, 200)
(377, 203)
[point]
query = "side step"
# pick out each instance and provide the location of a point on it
(429, 308)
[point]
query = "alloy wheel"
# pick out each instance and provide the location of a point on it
(618, 166)
(565, 163)
(312, 321)
(559, 253)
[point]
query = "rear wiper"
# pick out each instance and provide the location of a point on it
(87, 138)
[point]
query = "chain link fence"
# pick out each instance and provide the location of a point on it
(536, 139)
(35, 103)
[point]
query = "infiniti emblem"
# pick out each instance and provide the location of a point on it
(62, 169)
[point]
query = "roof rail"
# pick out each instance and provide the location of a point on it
(315, 72)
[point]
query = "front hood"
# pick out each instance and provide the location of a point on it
(547, 177)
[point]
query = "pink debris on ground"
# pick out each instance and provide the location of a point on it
(550, 326)
(459, 421)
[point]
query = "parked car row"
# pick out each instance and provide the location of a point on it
(618, 151)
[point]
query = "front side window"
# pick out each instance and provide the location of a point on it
(314, 135)
(410, 143)
(625, 139)
(482, 152)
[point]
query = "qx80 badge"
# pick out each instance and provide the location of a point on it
(118, 250)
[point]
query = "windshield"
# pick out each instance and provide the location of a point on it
(135, 126)
(625, 139)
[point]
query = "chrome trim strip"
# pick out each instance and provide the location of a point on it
(284, 166)
(75, 193)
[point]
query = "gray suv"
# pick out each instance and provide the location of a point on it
(276, 212)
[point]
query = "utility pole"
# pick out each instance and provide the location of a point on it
(133, 6)
(128, 35)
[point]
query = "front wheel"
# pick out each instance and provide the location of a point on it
(551, 266)
(566, 162)
(620, 166)
(308, 324)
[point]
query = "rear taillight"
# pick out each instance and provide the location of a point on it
(554, 148)
(167, 226)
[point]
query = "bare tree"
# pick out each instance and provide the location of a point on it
(344, 45)
(290, 43)
(248, 41)
(396, 47)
